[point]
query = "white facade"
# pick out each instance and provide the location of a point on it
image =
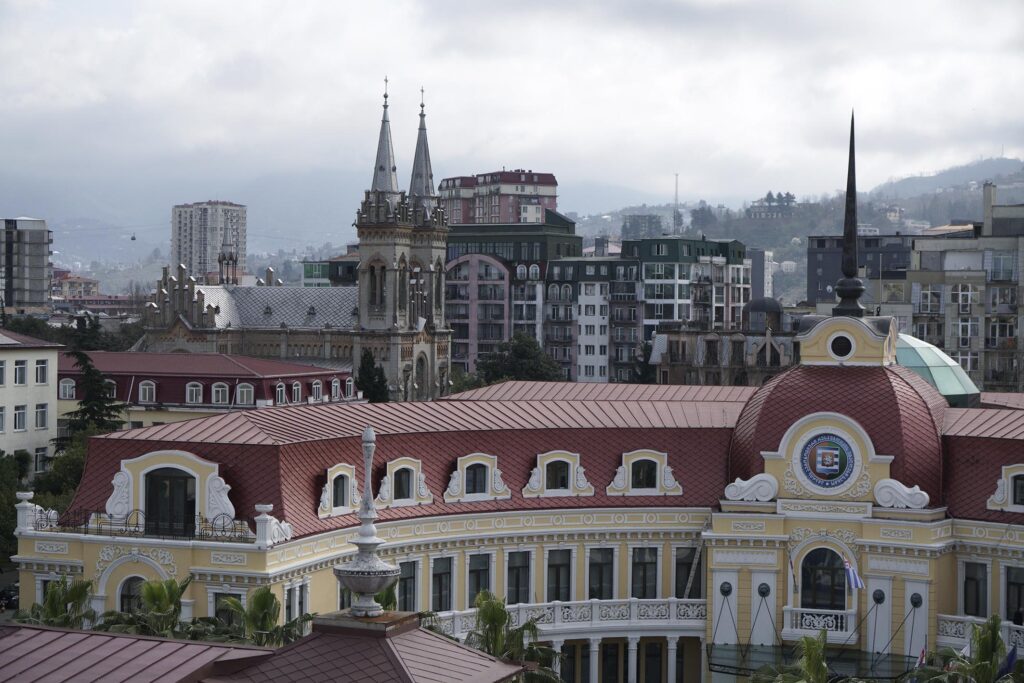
(28, 398)
(199, 233)
(592, 326)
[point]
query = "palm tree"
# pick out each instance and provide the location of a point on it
(494, 635)
(65, 605)
(160, 614)
(982, 665)
(811, 667)
(257, 623)
(388, 599)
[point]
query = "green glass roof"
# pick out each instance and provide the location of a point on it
(938, 369)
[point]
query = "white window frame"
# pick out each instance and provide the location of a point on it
(531, 570)
(280, 394)
(350, 385)
(961, 574)
(44, 365)
(45, 413)
(657, 568)
(296, 392)
(147, 391)
(222, 388)
(491, 573)
(24, 418)
(66, 389)
(246, 388)
(317, 390)
(586, 567)
(21, 365)
(188, 393)
(111, 387)
(417, 581)
(335, 389)
(453, 589)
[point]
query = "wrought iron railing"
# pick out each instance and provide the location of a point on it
(135, 524)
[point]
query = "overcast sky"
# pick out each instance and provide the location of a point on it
(738, 97)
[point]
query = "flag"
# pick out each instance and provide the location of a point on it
(852, 577)
(792, 570)
(1007, 665)
(921, 658)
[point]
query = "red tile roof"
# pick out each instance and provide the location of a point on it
(415, 656)
(595, 391)
(191, 364)
(985, 423)
(32, 653)
(901, 413)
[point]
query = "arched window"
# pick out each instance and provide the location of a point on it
(349, 387)
(644, 474)
(147, 392)
(280, 397)
(553, 292)
(335, 389)
(67, 389)
(193, 392)
(823, 580)
(373, 285)
(130, 600)
(556, 475)
(534, 272)
(520, 272)
(111, 387)
(566, 293)
(476, 478)
(340, 491)
(296, 392)
(170, 503)
(403, 484)
(318, 390)
(244, 394)
(219, 394)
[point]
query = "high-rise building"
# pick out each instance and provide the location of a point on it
(518, 196)
(204, 235)
(25, 269)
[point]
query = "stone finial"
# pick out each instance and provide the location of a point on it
(366, 574)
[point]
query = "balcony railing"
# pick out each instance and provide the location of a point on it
(840, 625)
(135, 525)
(954, 630)
(586, 615)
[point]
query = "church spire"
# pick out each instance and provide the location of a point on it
(385, 177)
(850, 287)
(421, 188)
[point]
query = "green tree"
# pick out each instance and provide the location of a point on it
(643, 371)
(97, 409)
(65, 605)
(13, 471)
(520, 358)
(769, 198)
(812, 667)
(258, 624)
(388, 598)
(159, 614)
(981, 665)
(371, 379)
(492, 633)
(55, 487)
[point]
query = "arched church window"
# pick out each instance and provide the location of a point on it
(823, 580)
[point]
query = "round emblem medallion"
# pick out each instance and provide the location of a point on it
(827, 461)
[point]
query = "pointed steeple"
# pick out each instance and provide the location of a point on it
(421, 187)
(385, 176)
(850, 287)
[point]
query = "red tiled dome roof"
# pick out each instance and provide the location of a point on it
(902, 414)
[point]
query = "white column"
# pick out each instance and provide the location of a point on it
(556, 663)
(595, 658)
(634, 641)
(670, 652)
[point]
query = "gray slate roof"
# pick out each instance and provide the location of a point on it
(247, 307)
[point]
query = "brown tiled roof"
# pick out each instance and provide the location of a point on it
(416, 656)
(973, 466)
(32, 653)
(190, 364)
(902, 414)
(10, 339)
(985, 423)
(595, 391)
(999, 399)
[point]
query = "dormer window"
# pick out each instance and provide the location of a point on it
(244, 394)
(335, 389)
(317, 390)
(268, 311)
(350, 386)
(193, 393)
(1018, 489)
(296, 392)
(644, 474)
(476, 478)
(340, 491)
(147, 392)
(339, 495)
(280, 395)
(219, 393)
(556, 476)
(403, 484)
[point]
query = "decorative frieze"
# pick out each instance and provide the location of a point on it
(111, 553)
(236, 559)
(52, 547)
(901, 565)
(816, 508)
(748, 526)
(900, 534)
(756, 557)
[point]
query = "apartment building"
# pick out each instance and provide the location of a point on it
(204, 234)
(28, 397)
(25, 268)
(516, 196)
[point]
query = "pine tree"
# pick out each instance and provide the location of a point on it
(97, 409)
(371, 379)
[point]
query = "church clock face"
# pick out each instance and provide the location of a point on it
(827, 461)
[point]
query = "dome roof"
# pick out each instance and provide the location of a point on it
(939, 370)
(900, 412)
(764, 304)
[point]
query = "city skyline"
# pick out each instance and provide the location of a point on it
(735, 97)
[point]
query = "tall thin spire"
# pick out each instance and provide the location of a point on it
(421, 187)
(850, 287)
(385, 176)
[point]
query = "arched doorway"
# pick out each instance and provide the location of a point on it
(823, 581)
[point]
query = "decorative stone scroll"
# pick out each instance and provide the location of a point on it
(217, 501)
(119, 503)
(760, 487)
(890, 493)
